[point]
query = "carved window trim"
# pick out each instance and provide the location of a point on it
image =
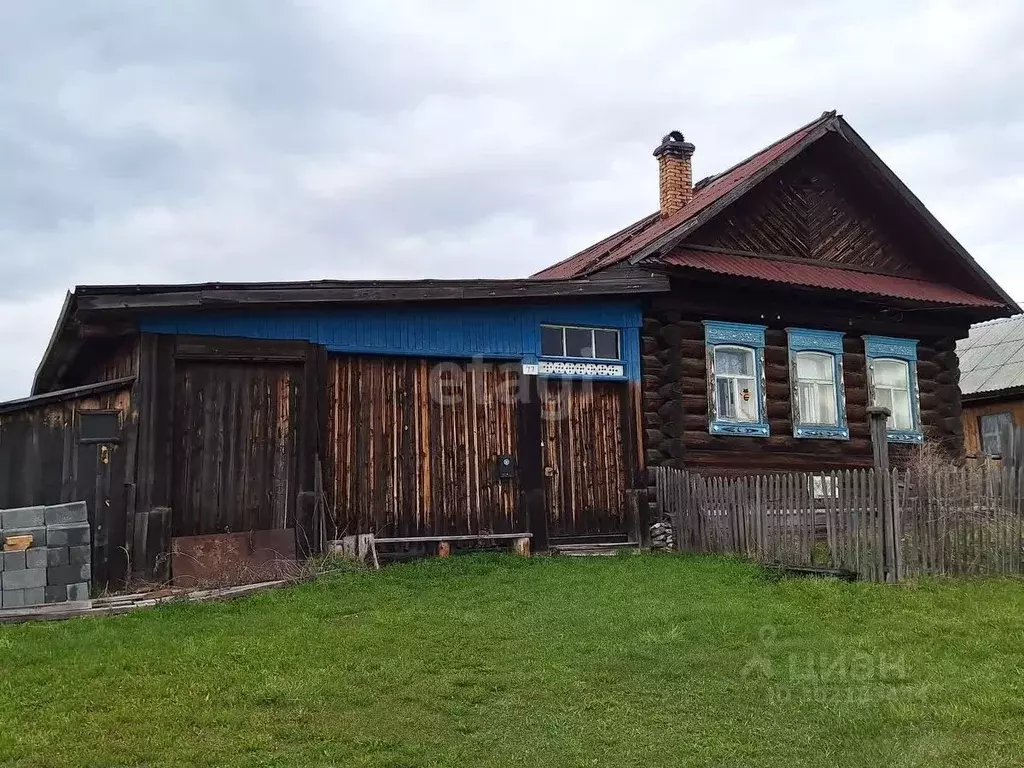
(826, 343)
(722, 334)
(903, 350)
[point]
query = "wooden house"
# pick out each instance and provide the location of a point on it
(806, 283)
(744, 326)
(992, 383)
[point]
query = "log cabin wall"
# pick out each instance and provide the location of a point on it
(676, 391)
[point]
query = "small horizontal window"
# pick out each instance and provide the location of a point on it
(580, 343)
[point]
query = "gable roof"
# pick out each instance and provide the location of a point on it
(992, 358)
(637, 236)
(648, 240)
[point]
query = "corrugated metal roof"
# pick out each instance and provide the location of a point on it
(992, 356)
(821, 276)
(633, 238)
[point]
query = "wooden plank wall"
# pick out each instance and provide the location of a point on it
(588, 464)
(235, 457)
(119, 360)
(42, 462)
(412, 446)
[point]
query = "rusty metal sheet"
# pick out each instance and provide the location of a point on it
(232, 558)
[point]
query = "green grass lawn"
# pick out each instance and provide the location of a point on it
(626, 661)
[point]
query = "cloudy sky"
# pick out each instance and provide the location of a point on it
(193, 140)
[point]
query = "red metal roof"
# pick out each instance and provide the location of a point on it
(821, 276)
(631, 240)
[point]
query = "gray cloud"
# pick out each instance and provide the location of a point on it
(197, 140)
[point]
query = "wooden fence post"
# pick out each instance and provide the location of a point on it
(886, 502)
(878, 416)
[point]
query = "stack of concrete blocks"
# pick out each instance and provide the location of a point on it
(57, 566)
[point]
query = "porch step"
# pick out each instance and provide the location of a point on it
(589, 549)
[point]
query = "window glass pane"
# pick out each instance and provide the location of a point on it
(746, 400)
(901, 417)
(551, 341)
(731, 361)
(817, 403)
(606, 344)
(726, 404)
(579, 342)
(992, 426)
(815, 366)
(890, 373)
(737, 399)
(883, 398)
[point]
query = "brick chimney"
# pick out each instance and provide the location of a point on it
(675, 173)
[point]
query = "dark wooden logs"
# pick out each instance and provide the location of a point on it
(676, 388)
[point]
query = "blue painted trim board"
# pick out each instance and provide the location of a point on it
(506, 331)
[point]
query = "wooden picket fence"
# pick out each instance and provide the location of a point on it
(878, 525)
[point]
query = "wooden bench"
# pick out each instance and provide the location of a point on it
(520, 541)
(364, 545)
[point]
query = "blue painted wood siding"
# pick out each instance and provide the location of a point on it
(509, 332)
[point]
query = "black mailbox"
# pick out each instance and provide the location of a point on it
(506, 467)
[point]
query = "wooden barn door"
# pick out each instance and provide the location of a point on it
(236, 445)
(585, 452)
(413, 446)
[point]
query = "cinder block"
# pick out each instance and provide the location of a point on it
(35, 596)
(28, 578)
(68, 574)
(56, 556)
(35, 557)
(64, 514)
(38, 535)
(12, 598)
(56, 594)
(80, 555)
(22, 517)
(78, 592)
(14, 561)
(72, 535)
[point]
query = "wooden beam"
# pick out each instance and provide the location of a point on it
(107, 299)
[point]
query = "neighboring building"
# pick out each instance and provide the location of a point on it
(745, 326)
(992, 383)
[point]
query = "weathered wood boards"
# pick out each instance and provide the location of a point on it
(412, 446)
(587, 471)
(881, 526)
(235, 446)
(74, 446)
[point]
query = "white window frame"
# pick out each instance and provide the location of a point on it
(748, 338)
(883, 348)
(593, 341)
(828, 344)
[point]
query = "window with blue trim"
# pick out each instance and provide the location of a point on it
(892, 376)
(816, 376)
(736, 386)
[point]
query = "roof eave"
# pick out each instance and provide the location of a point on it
(847, 132)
